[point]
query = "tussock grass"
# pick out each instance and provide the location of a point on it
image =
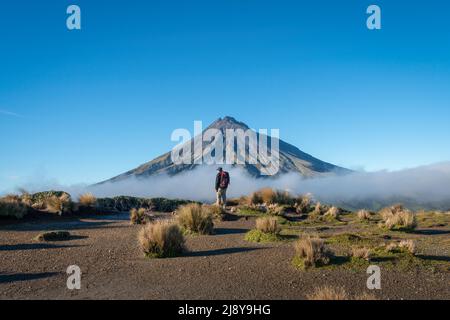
(303, 203)
(268, 225)
(267, 230)
(193, 218)
(333, 213)
(87, 200)
(408, 246)
(137, 216)
(12, 206)
(361, 253)
(311, 252)
(161, 239)
(363, 215)
(217, 212)
(328, 293)
(59, 204)
(398, 218)
(337, 293)
(269, 196)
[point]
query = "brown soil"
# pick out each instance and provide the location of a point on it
(220, 266)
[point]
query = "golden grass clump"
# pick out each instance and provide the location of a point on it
(361, 253)
(268, 225)
(303, 203)
(12, 206)
(217, 212)
(328, 293)
(404, 245)
(399, 220)
(270, 196)
(87, 200)
(409, 245)
(137, 216)
(312, 252)
(193, 218)
(161, 239)
(363, 215)
(337, 293)
(333, 213)
(59, 205)
(318, 209)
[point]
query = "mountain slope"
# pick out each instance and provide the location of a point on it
(292, 159)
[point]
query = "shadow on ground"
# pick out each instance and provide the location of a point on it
(8, 278)
(33, 246)
(431, 232)
(222, 231)
(217, 252)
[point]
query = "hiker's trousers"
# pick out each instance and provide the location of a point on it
(222, 197)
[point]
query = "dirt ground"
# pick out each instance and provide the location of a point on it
(220, 266)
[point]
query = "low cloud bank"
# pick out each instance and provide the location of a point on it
(427, 187)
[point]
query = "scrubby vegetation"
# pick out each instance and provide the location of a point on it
(137, 216)
(267, 225)
(337, 293)
(87, 200)
(398, 218)
(60, 202)
(217, 212)
(125, 203)
(403, 246)
(311, 252)
(195, 219)
(12, 206)
(266, 230)
(361, 253)
(363, 215)
(161, 239)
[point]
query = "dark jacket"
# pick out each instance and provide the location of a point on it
(218, 179)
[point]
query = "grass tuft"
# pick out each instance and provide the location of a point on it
(161, 239)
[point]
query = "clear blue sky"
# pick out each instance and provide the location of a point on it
(83, 106)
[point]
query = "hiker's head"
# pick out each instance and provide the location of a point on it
(220, 169)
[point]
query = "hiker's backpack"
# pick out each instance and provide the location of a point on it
(224, 180)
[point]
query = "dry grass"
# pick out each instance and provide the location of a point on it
(328, 293)
(333, 213)
(270, 196)
(363, 215)
(361, 253)
(312, 251)
(12, 206)
(409, 245)
(193, 218)
(161, 239)
(404, 245)
(137, 216)
(217, 212)
(87, 200)
(303, 203)
(337, 293)
(59, 205)
(318, 209)
(268, 225)
(398, 218)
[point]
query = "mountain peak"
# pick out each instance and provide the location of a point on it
(228, 123)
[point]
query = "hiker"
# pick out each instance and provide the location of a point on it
(222, 182)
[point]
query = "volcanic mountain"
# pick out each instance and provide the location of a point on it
(291, 158)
